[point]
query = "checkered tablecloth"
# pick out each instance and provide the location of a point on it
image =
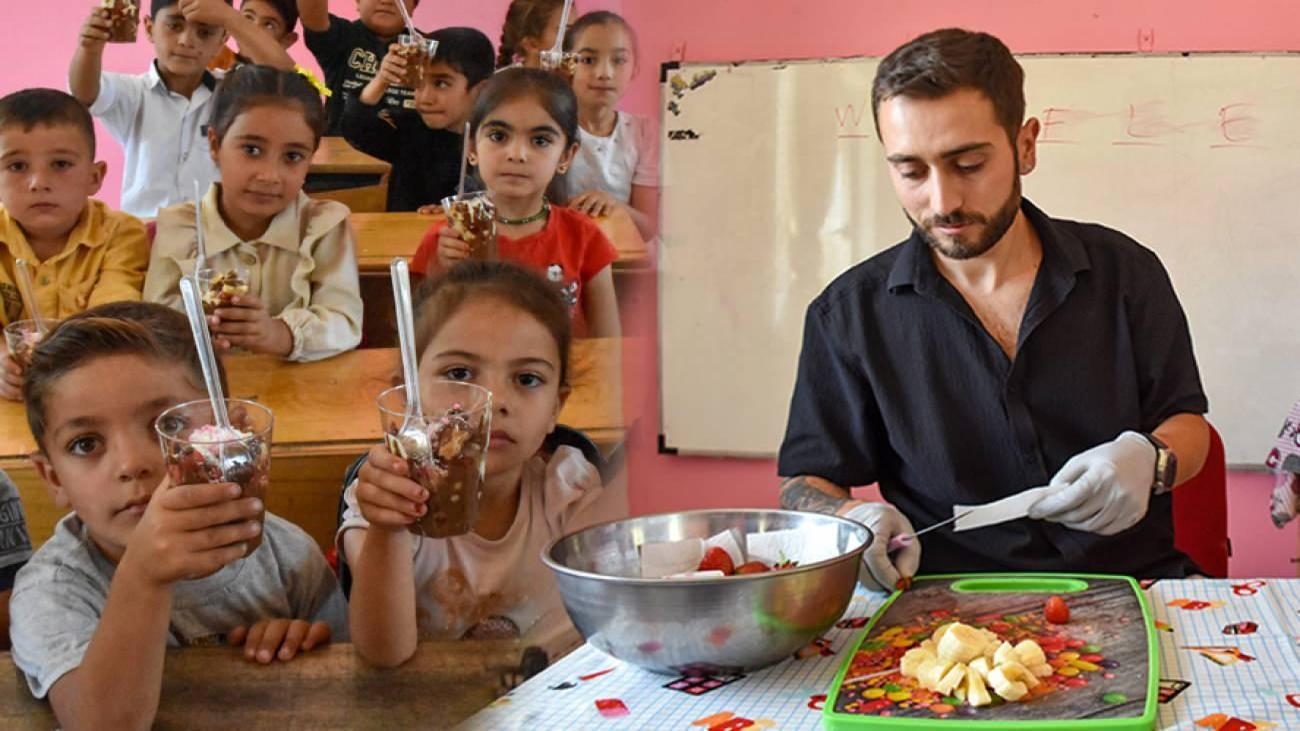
(1228, 662)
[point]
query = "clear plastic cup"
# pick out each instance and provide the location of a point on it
(564, 63)
(474, 217)
(217, 286)
(447, 453)
(419, 53)
(197, 451)
(22, 337)
(123, 20)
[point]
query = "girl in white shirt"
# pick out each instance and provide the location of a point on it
(618, 157)
(502, 327)
(303, 298)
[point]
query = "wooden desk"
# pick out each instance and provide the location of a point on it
(325, 417)
(214, 687)
(383, 236)
(342, 173)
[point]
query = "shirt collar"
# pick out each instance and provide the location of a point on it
(283, 233)
(156, 80)
(89, 231)
(1063, 254)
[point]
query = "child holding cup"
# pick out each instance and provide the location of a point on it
(143, 563)
(481, 327)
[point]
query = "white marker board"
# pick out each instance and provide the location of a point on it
(774, 183)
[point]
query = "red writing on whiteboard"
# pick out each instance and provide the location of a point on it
(849, 120)
(1148, 124)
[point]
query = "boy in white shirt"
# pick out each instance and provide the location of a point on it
(159, 116)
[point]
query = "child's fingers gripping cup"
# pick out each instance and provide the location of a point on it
(123, 20)
(217, 287)
(474, 217)
(197, 450)
(21, 338)
(419, 53)
(446, 451)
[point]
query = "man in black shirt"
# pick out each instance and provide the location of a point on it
(995, 350)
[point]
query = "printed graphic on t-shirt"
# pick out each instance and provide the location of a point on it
(364, 65)
(13, 529)
(568, 288)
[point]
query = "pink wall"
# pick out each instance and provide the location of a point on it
(730, 30)
(39, 39)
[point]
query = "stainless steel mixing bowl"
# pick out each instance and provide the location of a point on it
(711, 625)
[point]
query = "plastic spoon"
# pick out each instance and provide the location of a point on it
(201, 250)
(553, 56)
(464, 160)
(414, 433)
(233, 457)
(28, 292)
(410, 24)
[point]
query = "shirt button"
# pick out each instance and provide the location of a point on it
(45, 280)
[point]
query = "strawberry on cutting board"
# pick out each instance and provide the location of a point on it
(717, 559)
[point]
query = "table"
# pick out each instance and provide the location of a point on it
(214, 687)
(325, 417)
(1260, 686)
(383, 236)
(341, 172)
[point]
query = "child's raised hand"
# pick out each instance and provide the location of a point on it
(96, 30)
(246, 323)
(208, 12)
(190, 531)
(594, 203)
(278, 639)
(452, 249)
(393, 68)
(11, 377)
(388, 498)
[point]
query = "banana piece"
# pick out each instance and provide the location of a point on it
(1007, 688)
(976, 693)
(961, 643)
(980, 666)
(1030, 654)
(940, 632)
(1042, 671)
(1004, 654)
(951, 679)
(932, 672)
(1016, 671)
(912, 660)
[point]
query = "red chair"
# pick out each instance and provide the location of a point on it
(1201, 513)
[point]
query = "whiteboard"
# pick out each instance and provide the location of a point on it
(773, 183)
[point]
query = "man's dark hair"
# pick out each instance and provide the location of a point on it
(467, 51)
(944, 61)
(48, 107)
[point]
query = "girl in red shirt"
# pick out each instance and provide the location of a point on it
(524, 132)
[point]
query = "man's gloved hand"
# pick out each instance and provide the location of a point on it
(879, 570)
(1103, 490)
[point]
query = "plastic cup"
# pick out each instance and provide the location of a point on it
(447, 452)
(123, 20)
(419, 53)
(564, 63)
(197, 451)
(218, 286)
(474, 217)
(22, 337)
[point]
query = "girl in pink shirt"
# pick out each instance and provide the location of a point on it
(504, 328)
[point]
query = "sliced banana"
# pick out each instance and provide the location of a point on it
(1030, 654)
(931, 673)
(980, 666)
(1041, 671)
(976, 693)
(912, 659)
(1007, 688)
(962, 643)
(951, 679)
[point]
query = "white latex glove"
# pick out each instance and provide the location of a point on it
(1103, 490)
(878, 570)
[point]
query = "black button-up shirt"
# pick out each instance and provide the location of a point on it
(899, 383)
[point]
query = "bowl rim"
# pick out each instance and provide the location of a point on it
(868, 538)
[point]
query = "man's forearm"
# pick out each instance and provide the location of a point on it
(815, 495)
(1188, 437)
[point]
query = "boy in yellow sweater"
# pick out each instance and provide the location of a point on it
(80, 252)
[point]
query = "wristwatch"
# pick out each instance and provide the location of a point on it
(1166, 465)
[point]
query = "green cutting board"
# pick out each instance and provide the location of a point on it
(1107, 657)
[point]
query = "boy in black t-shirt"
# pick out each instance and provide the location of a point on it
(424, 150)
(348, 51)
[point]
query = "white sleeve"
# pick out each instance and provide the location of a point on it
(119, 101)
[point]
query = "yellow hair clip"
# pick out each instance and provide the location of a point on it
(311, 78)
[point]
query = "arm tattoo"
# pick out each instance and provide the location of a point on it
(798, 494)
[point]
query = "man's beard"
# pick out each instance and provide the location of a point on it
(994, 228)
